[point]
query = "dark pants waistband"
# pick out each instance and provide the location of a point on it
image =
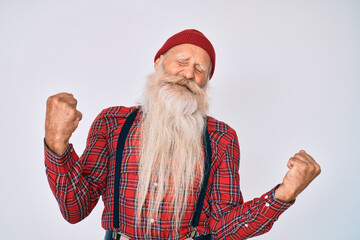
(109, 235)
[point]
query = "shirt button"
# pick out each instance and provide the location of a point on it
(246, 225)
(266, 197)
(156, 184)
(152, 220)
(267, 204)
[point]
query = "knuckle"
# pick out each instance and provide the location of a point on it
(304, 167)
(312, 169)
(71, 110)
(68, 110)
(78, 115)
(52, 98)
(56, 100)
(307, 167)
(49, 100)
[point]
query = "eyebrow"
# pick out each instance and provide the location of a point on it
(182, 57)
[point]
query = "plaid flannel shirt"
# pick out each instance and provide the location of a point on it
(78, 183)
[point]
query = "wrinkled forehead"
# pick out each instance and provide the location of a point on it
(190, 52)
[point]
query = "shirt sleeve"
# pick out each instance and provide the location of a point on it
(77, 183)
(231, 218)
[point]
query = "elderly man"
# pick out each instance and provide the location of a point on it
(164, 169)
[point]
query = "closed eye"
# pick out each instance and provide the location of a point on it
(199, 70)
(180, 62)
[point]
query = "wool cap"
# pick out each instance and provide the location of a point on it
(191, 36)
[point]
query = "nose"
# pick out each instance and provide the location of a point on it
(187, 73)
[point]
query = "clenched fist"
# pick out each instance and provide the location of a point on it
(62, 119)
(302, 170)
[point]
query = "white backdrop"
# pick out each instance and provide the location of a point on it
(286, 78)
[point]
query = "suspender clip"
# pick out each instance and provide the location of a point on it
(194, 233)
(114, 235)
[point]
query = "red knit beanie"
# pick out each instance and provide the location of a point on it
(191, 36)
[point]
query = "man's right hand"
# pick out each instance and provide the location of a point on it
(62, 119)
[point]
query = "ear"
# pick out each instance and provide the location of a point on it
(157, 61)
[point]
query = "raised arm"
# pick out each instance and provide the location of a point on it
(231, 217)
(77, 183)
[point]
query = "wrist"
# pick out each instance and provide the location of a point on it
(57, 146)
(283, 194)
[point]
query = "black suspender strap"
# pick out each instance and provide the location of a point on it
(207, 165)
(119, 154)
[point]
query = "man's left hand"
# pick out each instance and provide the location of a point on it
(302, 170)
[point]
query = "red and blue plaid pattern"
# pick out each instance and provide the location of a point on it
(78, 183)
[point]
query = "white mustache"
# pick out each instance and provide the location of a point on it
(188, 84)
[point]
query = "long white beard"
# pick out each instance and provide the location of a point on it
(171, 161)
